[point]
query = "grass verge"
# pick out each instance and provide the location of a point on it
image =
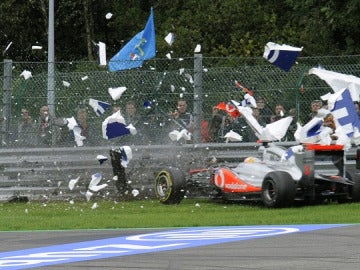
(152, 214)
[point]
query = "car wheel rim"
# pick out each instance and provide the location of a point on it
(163, 186)
(270, 191)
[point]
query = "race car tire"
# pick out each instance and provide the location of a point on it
(278, 190)
(170, 185)
(355, 189)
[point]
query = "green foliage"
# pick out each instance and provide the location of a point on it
(152, 214)
(223, 28)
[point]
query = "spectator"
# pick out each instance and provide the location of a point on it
(248, 133)
(183, 118)
(154, 129)
(273, 118)
(49, 128)
(131, 116)
(315, 106)
(205, 136)
(264, 110)
(357, 107)
(86, 129)
(229, 123)
(293, 125)
(116, 109)
(215, 125)
(26, 130)
(279, 113)
(257, 115)
(222, 123)
(45, 137)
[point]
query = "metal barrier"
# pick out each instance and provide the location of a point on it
(45, 173)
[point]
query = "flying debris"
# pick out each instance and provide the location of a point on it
(189, 77)
(101, 158)
(170, 38)
(246, 90)
(88, 195)
(126, 155)
(176, 135)
(101, 46)
(282, 56)
(94, 183)
(26, 74)
(115, 126)
(71, 123)
(232, 136)
(36, 47)
(7, 48)
(271, 132)
(147, 105)
(339, 81)
(108, 15)
(98, 106)
(197, 48)
(79, 139)
(65, 83)
(73, 182)
(229, 108)
(116, 93)
(94, 206)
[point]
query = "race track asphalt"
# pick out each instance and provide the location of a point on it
(335, 248)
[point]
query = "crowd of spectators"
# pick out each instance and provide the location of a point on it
(152, 127)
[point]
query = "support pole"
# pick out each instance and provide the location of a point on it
(7, 85)
(197, 97)
(51, 61)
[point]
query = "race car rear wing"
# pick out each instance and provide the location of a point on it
(319, 147)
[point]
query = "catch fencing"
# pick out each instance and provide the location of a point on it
(202, 81)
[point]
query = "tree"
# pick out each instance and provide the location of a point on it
(222, 27)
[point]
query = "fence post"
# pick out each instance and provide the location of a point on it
(197, 97)
(7, 85)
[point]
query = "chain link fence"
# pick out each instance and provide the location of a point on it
(160, 82)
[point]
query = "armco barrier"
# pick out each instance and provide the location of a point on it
(44, 173)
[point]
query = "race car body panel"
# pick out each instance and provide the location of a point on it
(229, 181)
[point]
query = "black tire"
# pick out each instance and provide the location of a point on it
(278, 190)
(170, 185)
(355, 189)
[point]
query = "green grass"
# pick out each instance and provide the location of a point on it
(152, 214)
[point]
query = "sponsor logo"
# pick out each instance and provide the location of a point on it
(236, 186)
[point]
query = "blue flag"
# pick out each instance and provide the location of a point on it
(345, 113)
(282, 56)
(315, 129)
(141, 47)
(115, 126)
(99, 106)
